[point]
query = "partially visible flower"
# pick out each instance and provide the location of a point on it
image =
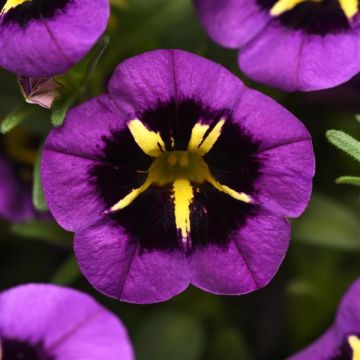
(342, 340)
(17, 157)
(39, 91)
(179, 175)
(42, 38)
(48, 322)
(290, 44)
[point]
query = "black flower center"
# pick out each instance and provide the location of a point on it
(179, 177)
(318, 17)
(24, 11)
(20, 350)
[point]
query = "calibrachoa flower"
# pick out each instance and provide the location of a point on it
(290, 44)
(42, 38)
(17, 157)
(48, 322)
(178, 175)
(342, 340)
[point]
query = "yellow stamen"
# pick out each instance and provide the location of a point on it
(282, 6)
(225, 189)
(197, 136)
(349, 7)
(129, 198)
(149, 141)
(183, 195)
(202, 145)
(354, 343)
(10, 4)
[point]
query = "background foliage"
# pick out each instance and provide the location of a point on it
(324, 254)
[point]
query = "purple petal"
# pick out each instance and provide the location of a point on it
(50, 46)
(68, 323)
(251, 260)
(119, 268)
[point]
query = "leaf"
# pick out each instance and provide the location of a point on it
(329, 224)
(357, 117)
(68, 273)
(15, 118)
(349, 180)
(61, 108)
(43, 230)
(38, 195)
(345, 143)
(169, 335)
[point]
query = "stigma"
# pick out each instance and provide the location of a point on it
(180, 169)
(11, 4)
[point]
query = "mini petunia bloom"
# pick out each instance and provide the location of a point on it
(342, 340)
(48, 322)
(42, 38)
(178, 175)
(290, 44)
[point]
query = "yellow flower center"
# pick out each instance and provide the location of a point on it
(11, 4)
(349, 7)
(179, 168)
(354, 343)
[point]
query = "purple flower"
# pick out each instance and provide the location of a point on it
(17, 157)
(290, 44)
(48, 322)
(179, 174)
(42, 38)
(342, 340)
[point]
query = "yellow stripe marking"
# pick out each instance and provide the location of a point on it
(10, 4)
(349, 7)
(149, 141)
(129, 198)
(183, 195)
(197, 136)
(354, 343)
(285, 5)
(227, 190)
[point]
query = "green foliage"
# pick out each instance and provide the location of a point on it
(67, 273)
(169, 335)
(15, 118)
(42, 230)
(350, 180)
(327, 223)
(345, 143)
(38, 195)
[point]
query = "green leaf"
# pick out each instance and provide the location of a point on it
(349, 180)
(68, 273)
(345, 143)
(169, 335)
(329, 224)
(43, 230)
(38, 195)
(15, 118)
(357, 117)
(61, 107)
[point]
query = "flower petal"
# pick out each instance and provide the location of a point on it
(119, 267)
(68, 322)
(49, 46)
(249, 262)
